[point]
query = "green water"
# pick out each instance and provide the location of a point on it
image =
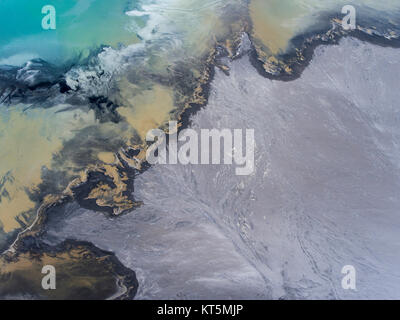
(81, 25)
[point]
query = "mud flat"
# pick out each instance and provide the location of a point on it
(83, 272)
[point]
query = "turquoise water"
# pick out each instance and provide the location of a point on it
(85, 25)
(81, 25)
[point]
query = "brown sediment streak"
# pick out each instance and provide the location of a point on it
(107, 184)
(142, 105)
(199, 96)
(271, 23)
(277, 62)
(287, 58)
(164, 95)
(115, 198)
(82, 272)
(164, 100)
(113, 192)
(80, 266)
(106, 157)
(29, 138)
(162, 104)
(35, 228)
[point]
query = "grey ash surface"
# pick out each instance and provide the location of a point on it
(325, 192)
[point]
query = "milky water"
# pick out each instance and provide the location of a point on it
(127, 71)
(86, 25)
(80, 26)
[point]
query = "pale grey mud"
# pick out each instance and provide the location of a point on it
(325, 192)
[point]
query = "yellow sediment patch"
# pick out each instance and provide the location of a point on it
(114, 198)
(106, 157)
(147, 110)
(205, 35)
(275, 22)
(28, 140)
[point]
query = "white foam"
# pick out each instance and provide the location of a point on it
(18, 59)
